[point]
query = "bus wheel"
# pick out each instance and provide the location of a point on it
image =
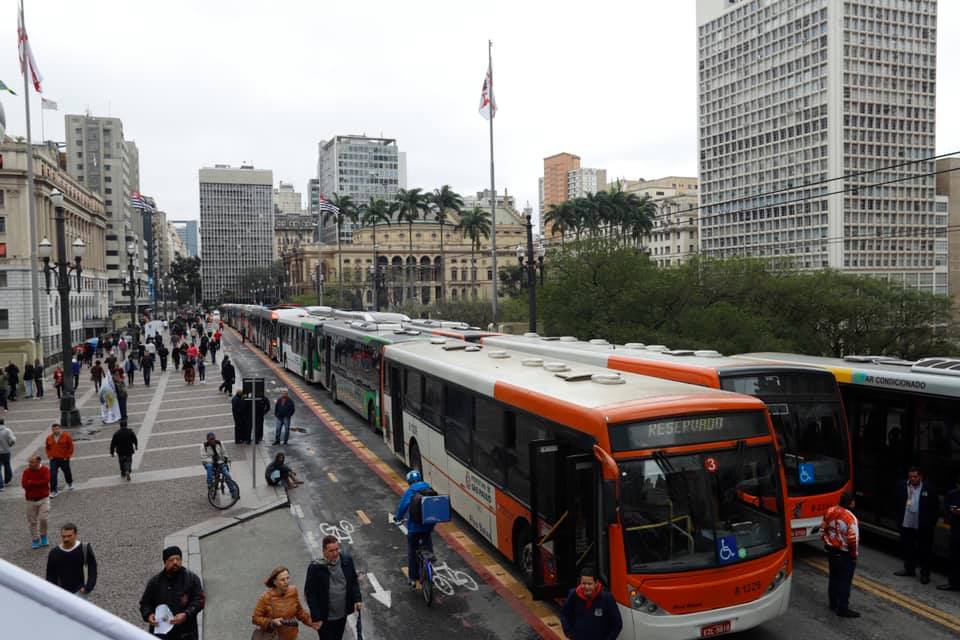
(523, 552)
(416, 462)
(333, 390)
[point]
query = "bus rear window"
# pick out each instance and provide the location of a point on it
(678, 431)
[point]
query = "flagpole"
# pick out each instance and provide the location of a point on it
(31, 204)
(493, 188)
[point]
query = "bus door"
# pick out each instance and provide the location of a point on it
(563, 496)
(327, 361)
(396, 407)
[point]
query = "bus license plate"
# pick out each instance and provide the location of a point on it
(716, 629)
(800, 533)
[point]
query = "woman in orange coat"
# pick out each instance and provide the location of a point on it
(278, 608)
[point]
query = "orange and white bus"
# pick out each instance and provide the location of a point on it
(449, 329)
(674, 492)
(804, 403)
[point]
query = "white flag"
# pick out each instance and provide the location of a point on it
(48, 104)
(488, 105)
(109, 404)
(26, 54)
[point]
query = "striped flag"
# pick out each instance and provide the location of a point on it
(48, 104)
(138, 202)
(326, 205)
(488, 104)
(26, 53)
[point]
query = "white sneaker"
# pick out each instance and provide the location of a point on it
(69, 487)
(54, 494)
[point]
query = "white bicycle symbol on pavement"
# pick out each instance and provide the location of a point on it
(445, 579)
(341, 531)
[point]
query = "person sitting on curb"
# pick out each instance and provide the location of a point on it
(278, 473)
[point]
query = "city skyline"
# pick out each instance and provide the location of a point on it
(224, 99)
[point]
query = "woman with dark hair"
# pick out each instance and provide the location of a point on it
(279, 474)
(278, 608)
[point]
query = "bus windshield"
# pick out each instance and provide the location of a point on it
(808, 419)
(701, 510)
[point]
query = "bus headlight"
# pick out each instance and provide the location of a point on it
(637, 600)
(780, 577)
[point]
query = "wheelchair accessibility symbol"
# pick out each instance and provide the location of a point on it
(727, 551)
(806, 473)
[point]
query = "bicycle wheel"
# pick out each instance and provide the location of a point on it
(426, 580)
(219, 496)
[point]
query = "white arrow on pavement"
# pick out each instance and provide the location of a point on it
(399, 525)
(383, 597)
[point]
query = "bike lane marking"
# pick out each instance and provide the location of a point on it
(540, 617)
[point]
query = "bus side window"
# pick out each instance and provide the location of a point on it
(386, 379)
(432, 401)
(489, 454)
(458, 413)
(521, 431)
(413, 383)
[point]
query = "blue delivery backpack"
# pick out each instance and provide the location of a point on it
(435, 509)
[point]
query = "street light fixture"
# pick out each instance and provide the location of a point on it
(69, 416)
(532, 258)
(134, 290)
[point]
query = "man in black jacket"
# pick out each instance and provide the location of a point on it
(332, 590)
(590, 613)
(261, 407)
(124, 444)
(242, 426)
(71, 565)
(229, 375)
(918, 512)
(951, 509)
(179, 589)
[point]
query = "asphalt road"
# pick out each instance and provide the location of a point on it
(344, 496)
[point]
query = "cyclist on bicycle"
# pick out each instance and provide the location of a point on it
(418, 534)
(212, 453)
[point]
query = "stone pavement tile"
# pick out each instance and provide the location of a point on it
(126, 526)
(160, 440)
(153, 460)
(180, 424)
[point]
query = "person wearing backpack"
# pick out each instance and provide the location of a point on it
(418, 534)
(130, 367)
(72, 565)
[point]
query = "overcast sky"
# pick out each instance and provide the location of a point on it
(199, 83)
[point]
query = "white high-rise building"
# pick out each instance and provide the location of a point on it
(359, 167)
(236, 226)
(793, 93)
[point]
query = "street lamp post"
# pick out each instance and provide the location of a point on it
(318, 283)
(69, 415)
(134, 285)
(531, 259)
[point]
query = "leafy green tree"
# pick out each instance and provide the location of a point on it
(411, 206)
(475, 225)
(444, 200)
(561, 219)
(185, 277)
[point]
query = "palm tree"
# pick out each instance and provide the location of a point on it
(474, 224)
(346, 209)
(444, 199)
(639, 216)
(561, 219)
(373, 213)
(411, 205)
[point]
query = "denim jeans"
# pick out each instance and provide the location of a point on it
(209, 467)
(283, 427)
(415, 541)
(6, 472)
(29, 388)
(55, 465)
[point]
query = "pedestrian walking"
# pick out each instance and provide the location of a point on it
(38, 378)
(35, 481)
(28, 380)
(4, 388)
(130, 368)
(193, 353)
(7, 440)
(261, 408)
(189, 374)
(278, 608)
(175, 354)
(146, 366)
(229, 375)
(75, 370)
(13, 380)
(71, 565)
(590, 613)
(241, 418)
(96, 374)
(840, 532)
(122, 346)
(283, 410)
(59, 448)
(124, 444)
(202, 370)
(332, 590)
(919, 510)
(180, 590)
(214, 347)
(204, 347)
(58, 381)
(163, 352)
(951, 508)
(121, 388)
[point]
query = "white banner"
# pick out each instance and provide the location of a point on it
(109, 405)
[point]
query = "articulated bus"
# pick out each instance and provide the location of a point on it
(674, 492)
(902, 413)
(449, 329)
(351, 357)
(804, 404)
(302, 348)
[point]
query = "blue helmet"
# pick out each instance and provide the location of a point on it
(413, 476)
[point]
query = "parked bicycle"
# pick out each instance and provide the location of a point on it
(223, 492)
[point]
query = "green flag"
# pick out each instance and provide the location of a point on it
(4, 87)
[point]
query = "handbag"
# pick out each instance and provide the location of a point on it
(260, 634)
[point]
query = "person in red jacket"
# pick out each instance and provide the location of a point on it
(58, 380)
(35, 481)
(59, 449)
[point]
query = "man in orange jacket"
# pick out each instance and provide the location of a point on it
(840, 532)
(59, 451)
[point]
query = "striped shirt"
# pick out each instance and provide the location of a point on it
(841, 530)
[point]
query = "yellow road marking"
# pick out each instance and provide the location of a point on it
(332, 477)
(890, 595)
(363, 517)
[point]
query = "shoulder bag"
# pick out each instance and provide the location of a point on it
(260, 634)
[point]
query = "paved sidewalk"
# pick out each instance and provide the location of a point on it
(127, 522)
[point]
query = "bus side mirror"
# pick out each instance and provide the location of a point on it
(609, 502)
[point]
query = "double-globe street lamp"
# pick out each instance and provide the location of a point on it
(318, 283)
(69, 415)
(534, 260)
(134, 292)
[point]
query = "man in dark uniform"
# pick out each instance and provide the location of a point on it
(918, 513)
(951, 508)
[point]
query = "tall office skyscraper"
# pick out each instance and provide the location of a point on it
(189, 233)
(359, 167)
(100, 158)
(236, 226)
(795, 92)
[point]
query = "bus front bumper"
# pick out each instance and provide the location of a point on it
(639, 625)
(806, 529)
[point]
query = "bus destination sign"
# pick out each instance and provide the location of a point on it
(679, 431)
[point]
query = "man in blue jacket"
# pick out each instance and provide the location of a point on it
(418, 535)
(283, 410)
(590, 613)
